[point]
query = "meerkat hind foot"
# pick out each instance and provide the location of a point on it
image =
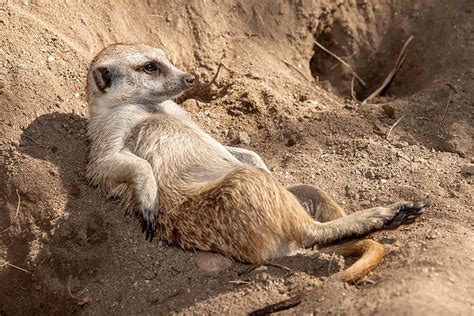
(405, 213)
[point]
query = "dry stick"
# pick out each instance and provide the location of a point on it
(393, 126)
(239, 282)
(231, 70)
(393, 72)
(280, 306)
(34, 141)
(369, 281)
(6, 263)
(267, 264)
(353, 96)
(447, 105)
(335, 65)
(330, 262)
(80, 301)
(215, 76)
(8, 228)
(69, 289)
(276, 265)
(18, 205)
(362, 82)
(259, 16)
(296, 69)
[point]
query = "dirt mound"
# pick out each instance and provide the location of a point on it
(65, 249)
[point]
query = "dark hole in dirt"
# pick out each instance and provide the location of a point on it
(369, 37)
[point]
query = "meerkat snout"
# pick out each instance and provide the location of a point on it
(189, 80)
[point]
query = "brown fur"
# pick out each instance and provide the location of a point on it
(146, 150)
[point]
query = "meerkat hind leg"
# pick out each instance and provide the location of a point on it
(316, 202)
(369, 252)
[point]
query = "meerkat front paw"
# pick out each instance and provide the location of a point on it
(404, 213)
(148, 223)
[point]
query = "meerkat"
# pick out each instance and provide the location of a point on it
(194, 192)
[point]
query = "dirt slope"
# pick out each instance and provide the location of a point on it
(81, 255)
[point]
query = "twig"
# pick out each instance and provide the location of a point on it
(400, 59)
(362, 82)
(18, 205)
(80, 301)
(353, 96)
(258, 15)
(452, 87)
(231, 70)
(34, 141)
(393, 126)
(215, 76)
(280, 306)
(239, 282)
(255, 266)
(276, 265)
(8, 228)
(369, 281)
(267, 264)
(447, 105)
(296, 69)
(336, 65)
(330, 262)
(6, 263)
(148, 15)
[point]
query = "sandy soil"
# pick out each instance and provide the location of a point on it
(65, 249)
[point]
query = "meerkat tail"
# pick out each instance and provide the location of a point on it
(370, 255)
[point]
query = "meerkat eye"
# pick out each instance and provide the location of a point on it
(151, 68)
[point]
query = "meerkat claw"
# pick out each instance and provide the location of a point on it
(406, 213)
(148, 226)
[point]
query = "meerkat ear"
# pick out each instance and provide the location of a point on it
(105, 76)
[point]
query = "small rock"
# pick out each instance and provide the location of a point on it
(253, 75)
(431, 235)
(467, 169)
(370, 174)
(291, 141)
(244, 138)
(51, 58)
(261, 268)
(402, 144)
(232, 134)
(315, 104)
(389, 111)
(409, 139)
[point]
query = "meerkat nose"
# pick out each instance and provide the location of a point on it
(189, 80)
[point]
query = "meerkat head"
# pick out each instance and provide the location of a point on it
(135, 73)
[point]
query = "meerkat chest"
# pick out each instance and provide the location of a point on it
(178, 151)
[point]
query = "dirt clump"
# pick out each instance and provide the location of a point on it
(65, 249)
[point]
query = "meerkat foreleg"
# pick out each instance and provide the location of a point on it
(247, 157)
(137, 174)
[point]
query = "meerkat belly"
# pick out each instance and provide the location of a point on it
(181, 155)
(246, 215)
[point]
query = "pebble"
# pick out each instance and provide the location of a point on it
(370, 174)
(244, 138)
(467, 169)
